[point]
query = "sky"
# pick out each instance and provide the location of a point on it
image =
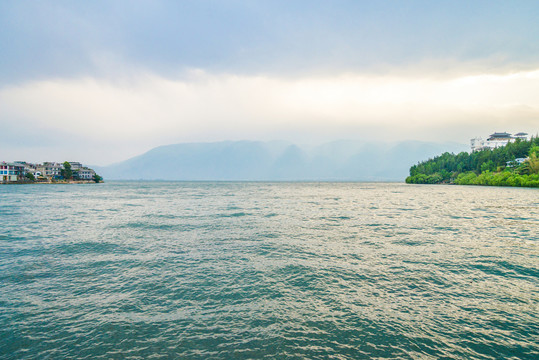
(102, 81)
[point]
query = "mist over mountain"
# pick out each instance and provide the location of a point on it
(343, 160)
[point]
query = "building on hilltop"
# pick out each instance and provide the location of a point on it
(496, 140)
(521, 136)
(477, 144)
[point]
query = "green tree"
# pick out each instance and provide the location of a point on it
(66, 172)
(30, 177)
(533, 161)
(488, 166)
(492, 167)
(97, 178)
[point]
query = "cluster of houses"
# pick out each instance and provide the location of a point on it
(496, 140)
(48, 171)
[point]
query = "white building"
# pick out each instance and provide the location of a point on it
(496, 140)
(11, 172)
(86, 173)
(477, 144)
(50, 169)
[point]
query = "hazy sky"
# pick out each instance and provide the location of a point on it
(100, 81)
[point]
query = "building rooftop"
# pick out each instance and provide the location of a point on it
(498, 135)
(12, 164)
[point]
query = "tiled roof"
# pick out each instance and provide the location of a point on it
(500, 135)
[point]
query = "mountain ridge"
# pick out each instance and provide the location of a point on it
(339, 160)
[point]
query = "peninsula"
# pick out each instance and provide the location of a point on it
(502, 160)
(21, 172)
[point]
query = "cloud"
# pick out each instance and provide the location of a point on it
(103, 81)
(137, 113)
(46, 39)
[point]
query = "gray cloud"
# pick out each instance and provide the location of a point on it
(65, 38)
(104, 80)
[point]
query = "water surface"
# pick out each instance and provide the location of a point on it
(140, 270)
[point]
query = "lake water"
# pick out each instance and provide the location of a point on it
(141, 270)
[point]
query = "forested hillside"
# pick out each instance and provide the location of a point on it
(516, 164)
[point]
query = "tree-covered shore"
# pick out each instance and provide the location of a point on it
(516, 164)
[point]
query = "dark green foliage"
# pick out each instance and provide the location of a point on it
(30, 176)
(487, 167)
(66, 172)
(503, 178)
(97, 178)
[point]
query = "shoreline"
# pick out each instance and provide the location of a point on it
(52, 182)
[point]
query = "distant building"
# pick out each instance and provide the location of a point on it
(86, 173)
(477, 144)
(16, 171)
(81, 172)
(51, 170)
(28, 167)
(521, 136)
(517, 161)
(11, 172)
(75, 165)
(496, 140)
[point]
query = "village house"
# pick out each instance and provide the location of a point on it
(11, 172)
(85, 173)
(75, 165)
(28, 167)
(81, 172)
(50, 170)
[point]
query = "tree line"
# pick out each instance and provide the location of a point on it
(495, 167)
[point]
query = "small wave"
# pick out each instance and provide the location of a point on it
(87, 247)
(151, 226)
(236, 214)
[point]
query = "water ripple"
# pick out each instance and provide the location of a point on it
(268, 270)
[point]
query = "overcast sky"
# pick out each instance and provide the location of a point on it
(101, 81)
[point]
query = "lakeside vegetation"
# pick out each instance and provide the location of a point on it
(516, 164)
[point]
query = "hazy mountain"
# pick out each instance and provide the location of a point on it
(278, 160)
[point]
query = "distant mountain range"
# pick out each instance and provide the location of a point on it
(342, 160)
